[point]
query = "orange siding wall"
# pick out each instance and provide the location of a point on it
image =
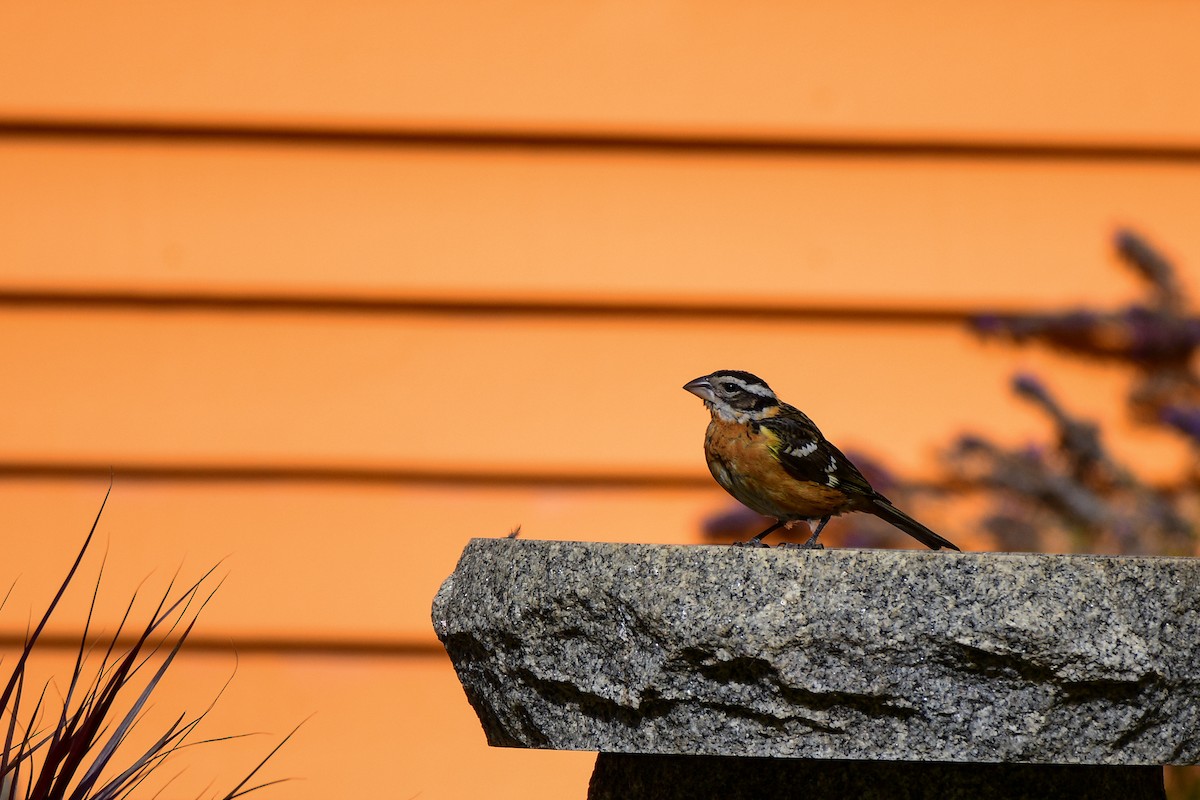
(334, 287)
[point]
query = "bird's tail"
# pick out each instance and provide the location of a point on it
(883, 509)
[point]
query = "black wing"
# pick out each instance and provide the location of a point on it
(808, 456)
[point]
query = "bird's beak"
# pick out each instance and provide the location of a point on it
(701, 388)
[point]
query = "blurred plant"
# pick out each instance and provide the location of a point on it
(1157, 337)
(77, 751)
(1076, 485)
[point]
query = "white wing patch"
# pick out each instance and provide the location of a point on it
(806, 449)
(832, 479)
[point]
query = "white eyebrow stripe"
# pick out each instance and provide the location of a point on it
(758, 389)
(752, 388)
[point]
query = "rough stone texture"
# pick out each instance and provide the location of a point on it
(644, 777)
(835, 654)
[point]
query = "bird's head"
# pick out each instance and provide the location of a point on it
(734, 395)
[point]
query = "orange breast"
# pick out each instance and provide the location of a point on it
(740, 459)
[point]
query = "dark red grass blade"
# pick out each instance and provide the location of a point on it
(20, 667)
(102, 758)
(237, 791)
(81, 745)
(71, 759)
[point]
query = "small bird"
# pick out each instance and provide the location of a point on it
(772, 458)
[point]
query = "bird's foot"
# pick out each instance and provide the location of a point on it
(751, 543)
(805, 546)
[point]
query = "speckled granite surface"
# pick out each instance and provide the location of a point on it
(835, 654)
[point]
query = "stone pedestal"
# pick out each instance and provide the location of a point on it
(834, 670)
(620, 776)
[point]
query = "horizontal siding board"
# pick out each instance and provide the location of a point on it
(483, 225)
(1062, 70)
(372, 727)
(523, 393)
(306, 566)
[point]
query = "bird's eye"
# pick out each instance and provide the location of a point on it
(728, 388)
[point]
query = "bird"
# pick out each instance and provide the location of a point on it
(773, 459)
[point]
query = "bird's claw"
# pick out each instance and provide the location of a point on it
(751, 543)
(794, 546)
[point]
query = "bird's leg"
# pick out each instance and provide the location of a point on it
(811, 545)
(757, 539)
